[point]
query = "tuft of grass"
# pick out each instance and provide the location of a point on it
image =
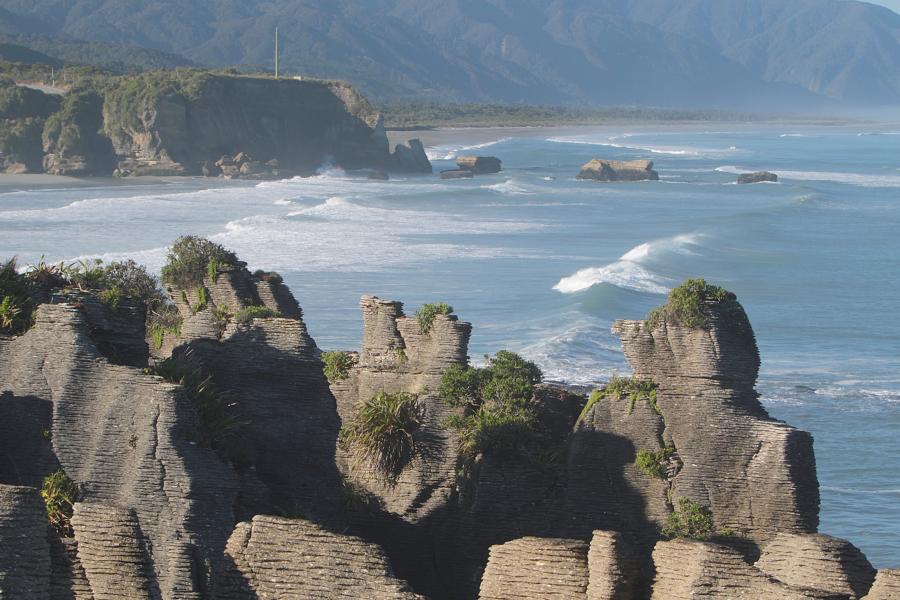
(189, 261)
(60, 494)
(162, 321)
(426, 314)
(111, 297)
(381, 432)
(621, 388)
(337, 365)
(653, 463)
(217, 415)
(202, 300)
(212, 270)
(247, 314)
(692, 521)
(223, 316)
(686, 303)
(16, 304)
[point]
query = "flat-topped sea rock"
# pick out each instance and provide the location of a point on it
(457, 174)
(480, 164)
(617, 170)
(757, 177)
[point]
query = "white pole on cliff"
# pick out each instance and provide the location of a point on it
(276, 53)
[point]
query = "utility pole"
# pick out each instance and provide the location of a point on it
(276, 53)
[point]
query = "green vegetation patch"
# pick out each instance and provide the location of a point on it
(691, 520)
(162, 321)
(500, 413)
(21, 142)
(218, 420)
(189, 261)
(60, 494)
(381, 432)
(16, 304)
(686, 304)
(247, 314)
(622, 388)
(337, 365)
(653, 463)
(426, 314)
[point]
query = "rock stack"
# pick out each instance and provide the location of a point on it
(616, 170)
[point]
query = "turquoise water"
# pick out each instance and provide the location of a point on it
(542, 264)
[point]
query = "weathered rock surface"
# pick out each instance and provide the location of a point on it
(411, 158)
(536, 568)
(73, 143)
(480, 164)
(272, 557)
(617, 170)
(758, 177)
(457, 174)
(818, 561)
(756, 475)
(24, 553)
(886, 586)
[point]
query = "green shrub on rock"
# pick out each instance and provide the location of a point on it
(621, 388)
(686, 303)
(498, 399)
(692, 521)
(426, 314)
(59, 494)
(653, 463)
(162, 321)
(189, 261)
(337, 365)
(16, 304)
(247, 314)
(381, 432)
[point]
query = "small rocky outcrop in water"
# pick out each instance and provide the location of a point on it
(223, 465)
(411, 158)
(480, 164)
(617, 170)
(758, 177)
(457, 174)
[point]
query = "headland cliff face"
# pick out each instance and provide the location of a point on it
(223, 455)
(184, 123)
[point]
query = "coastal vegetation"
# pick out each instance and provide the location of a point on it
(499, 410)
(631, 389)
(686, 304)
(652, 463)
(426, 314)
(59, 493)
(248, 313)
(337, 365)
(189, 260)
(693, 521)
(381, 432)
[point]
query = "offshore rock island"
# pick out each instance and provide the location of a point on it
(198, 444)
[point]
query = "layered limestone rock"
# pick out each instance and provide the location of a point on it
(886, 586)
(273, 557)
(755, 474)
(457, 174)
(536, 568)
(687, 569)
(410, 158)
(480, 164)
(559, 568)
(127, 439)
(398, 356)
(24, 553)
(818, 561)
(618, 170)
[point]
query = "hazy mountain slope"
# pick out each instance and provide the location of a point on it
(741, 53)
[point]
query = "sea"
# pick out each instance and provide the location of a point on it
(542, 264)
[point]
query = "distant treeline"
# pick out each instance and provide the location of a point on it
(425, 115)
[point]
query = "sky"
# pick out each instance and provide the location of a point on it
(892, 4)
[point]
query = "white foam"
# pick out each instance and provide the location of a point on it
(629, 272)
(653, 149)
(450, 152)
(508, 188)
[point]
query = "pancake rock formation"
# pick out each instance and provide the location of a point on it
(618, 170)
(220, 454)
